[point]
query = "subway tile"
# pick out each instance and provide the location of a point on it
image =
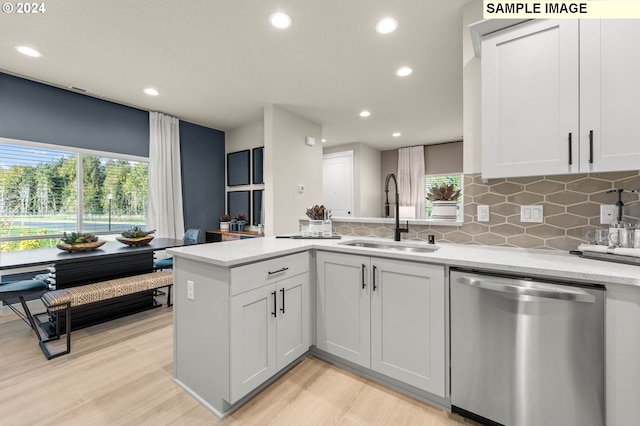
(563, 243)
(525, 241)
(457, 237)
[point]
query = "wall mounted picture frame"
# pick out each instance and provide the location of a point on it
(257, 207)
(258, 160)
(238, 203)
(238, 168)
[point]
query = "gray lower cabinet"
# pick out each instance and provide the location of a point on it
(269, 330)
(386, 315)
(239, 326)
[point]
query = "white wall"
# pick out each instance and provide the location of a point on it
(247, 136)
(471, 89)
(366, 178)
(288, 162)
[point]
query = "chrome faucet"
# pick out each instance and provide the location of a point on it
(397, 231)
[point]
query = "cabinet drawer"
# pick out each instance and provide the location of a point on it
(248, 277)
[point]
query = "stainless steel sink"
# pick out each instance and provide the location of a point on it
(392, 245)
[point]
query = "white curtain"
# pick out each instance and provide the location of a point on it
(411, 178)
(164, 210)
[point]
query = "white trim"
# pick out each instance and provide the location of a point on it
(82, 151)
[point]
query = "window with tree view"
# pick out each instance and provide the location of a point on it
(437, 181)
(46, 191)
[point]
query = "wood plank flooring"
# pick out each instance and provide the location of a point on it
(119, 373)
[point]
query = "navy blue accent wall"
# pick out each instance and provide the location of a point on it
(36, 112)
(203, 189)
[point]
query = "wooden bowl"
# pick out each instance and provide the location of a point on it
(143, 241)
(80, 247)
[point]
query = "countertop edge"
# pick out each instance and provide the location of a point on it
(535, 263)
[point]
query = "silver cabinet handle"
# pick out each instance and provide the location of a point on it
(528, 288)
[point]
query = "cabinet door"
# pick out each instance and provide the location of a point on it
(609, 93)
(343, 306)
(530, 99)
(408, 323)
(253, 339)
(293, 319)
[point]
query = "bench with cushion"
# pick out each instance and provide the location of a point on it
(62, 300)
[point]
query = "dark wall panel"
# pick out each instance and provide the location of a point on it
(203, 184)
(39, 113)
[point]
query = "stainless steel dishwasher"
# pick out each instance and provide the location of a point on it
(526, 352)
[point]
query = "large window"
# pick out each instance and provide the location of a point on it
(430, 181)
(45, 191)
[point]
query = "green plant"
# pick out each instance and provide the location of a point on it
(317, 212)
(74, 238)
(443, 192)
(136, 232)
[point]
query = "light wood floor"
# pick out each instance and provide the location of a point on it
(119, 373)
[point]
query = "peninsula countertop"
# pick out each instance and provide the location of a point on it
(535, 262)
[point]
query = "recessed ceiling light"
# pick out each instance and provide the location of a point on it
(151, 91)
(28, 51)
(386, 26)
(364, 113)
(323, 140)
(280, 20)
(404, 71)
(396, 134)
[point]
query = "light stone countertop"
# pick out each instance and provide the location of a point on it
(540, 263)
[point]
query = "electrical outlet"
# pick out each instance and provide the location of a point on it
(531, 214)
(483, 213)
(607, 214)
(190, 290)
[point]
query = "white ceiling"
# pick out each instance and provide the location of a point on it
(218, 62)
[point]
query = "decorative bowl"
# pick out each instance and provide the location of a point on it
(143, 241)
(80, 247)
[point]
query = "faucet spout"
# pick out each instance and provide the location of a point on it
(397, 230)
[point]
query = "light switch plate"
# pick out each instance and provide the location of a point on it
(531, 214)
(310, 140)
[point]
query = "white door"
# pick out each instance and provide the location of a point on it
(253, 340)
(609, 94)
(408, 323)
(343, 306)
(293, 319)
(337, 183)
(530, 99)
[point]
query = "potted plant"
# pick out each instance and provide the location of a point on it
(224, 222)
(78, 241)
(444, 198)
(241, 220)
(136, 236)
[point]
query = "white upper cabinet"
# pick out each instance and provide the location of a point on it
(557, 98)
(610, 93)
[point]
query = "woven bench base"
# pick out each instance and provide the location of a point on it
(63, 300)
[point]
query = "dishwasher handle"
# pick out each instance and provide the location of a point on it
(528, 288)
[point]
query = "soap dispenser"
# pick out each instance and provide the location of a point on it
(618, 229)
